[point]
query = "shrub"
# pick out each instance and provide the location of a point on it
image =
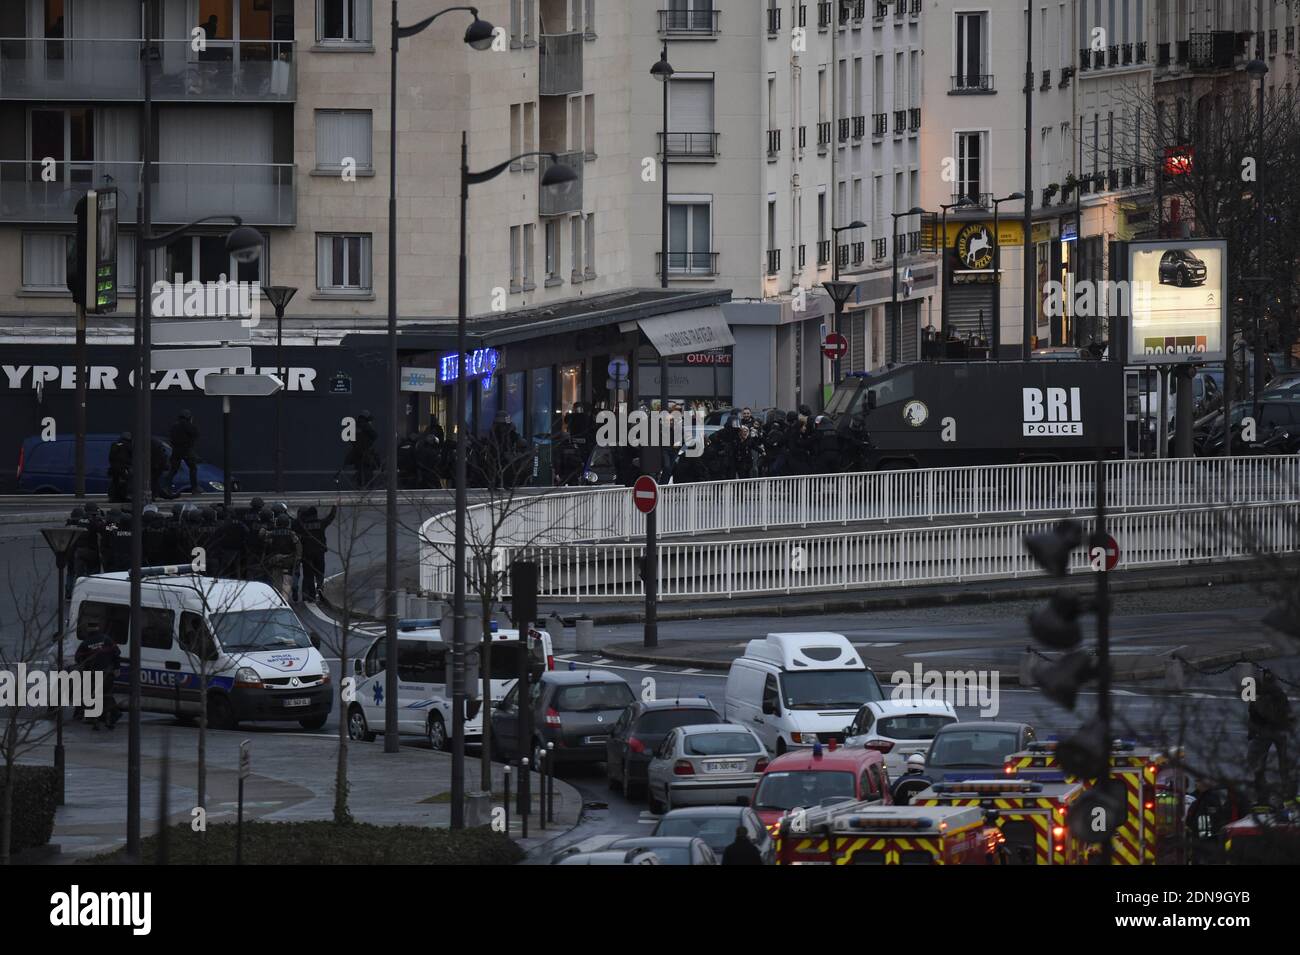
(36, 793)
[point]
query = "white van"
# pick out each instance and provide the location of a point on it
(423, 698)
(794, 689)
(258, 658)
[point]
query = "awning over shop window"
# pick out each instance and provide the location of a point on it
(692, 330)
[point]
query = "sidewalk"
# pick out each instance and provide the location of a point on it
(292, 780)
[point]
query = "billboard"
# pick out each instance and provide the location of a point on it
(1178, 303)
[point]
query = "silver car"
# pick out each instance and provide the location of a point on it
(705, 765)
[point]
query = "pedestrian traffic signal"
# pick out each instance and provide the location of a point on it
(1061, 679)
(1052, 549)
(92, 260)
(1057, 624)
(1085, 755)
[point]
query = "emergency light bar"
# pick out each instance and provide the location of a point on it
(991, 786)
(166, 570)
(870, 822)
(427, 623)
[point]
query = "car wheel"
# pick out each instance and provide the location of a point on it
(358, 729)
(221, 715)
(315, 723)
(1180, 278)
(655, 807)
(435, 731)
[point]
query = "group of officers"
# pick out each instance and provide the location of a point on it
(259, 542)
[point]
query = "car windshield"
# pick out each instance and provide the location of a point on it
(661, 722)
(786, 790)
(716, 831)
(972, 748)
(668, 855)
(720, 744)
(589, 697)
(829, 689)
(913, 727)
(268, 629)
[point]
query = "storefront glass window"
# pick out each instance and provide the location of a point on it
(541, 404)
(488, 405)
(515, 390)
(570, 386)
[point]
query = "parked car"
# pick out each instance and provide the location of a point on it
(50, 467)
(608, 857)
(717, 826)
(574, 709)
(975, 749)
(899, 728)
(706, 764)
(671, 850)
(641, 729)
(804, 779)
(1181, 267)
(1279, 411)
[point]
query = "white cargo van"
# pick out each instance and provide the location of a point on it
(794, 689)
(423, 699)
(258, 659)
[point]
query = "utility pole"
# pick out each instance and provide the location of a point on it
(1031, 266)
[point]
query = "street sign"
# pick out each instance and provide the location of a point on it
(200, 332)
(1112, 552)
(187, 359)
(645, 494)
(245, 759)
(617, 384)
(341, 384)
(241, 386)
(835, 346)
(617, 368)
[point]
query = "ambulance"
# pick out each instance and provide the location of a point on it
(854, 834)
(1032, 816)
(1155, 787)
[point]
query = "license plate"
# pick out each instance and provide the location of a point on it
(298, 701)
(724, 765)
(595, 739)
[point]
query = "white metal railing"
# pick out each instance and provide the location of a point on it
(587, 541)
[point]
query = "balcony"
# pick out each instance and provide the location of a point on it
(1290, 39)
(1067, 73)
(824, 133)
(914, 242)
(881, 11)
(773, 143)
(879, 249)
(900, 122)
(688, 263)
(1098, 59)
(842, 254)
(900, 9)
(567, 196)
(1126, 177)
(914, 119)
(1140, 175)
(1140, 52)
(879, 124)
(823, 251)
(560, 72)
(1112, 54)
(689, 22)
(859, 252)
(262, 194)
(1126, 54)
(773, 261)
(97, 70)
(972, 83)
(1272, 42)
(978, 200)
(689, 145)
(1212, 51)
(859, 127)
(1112, 179)
(824, 15)
(773, 21)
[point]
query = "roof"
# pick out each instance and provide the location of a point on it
(690, 728)
(652, 842)
(842, 758)
(676, 703)
(991, 725)
(710, 811)
(221, 595)
(572, 677)
(921, 707)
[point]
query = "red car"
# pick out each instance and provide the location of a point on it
(811, 778)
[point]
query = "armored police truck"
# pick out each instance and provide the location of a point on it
(956, 414)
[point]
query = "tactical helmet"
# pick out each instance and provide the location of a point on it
(78, 514)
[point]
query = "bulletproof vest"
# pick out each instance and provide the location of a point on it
(121, 538)
(157, 541)
(312, 533)
(283, 541)
(230, 534)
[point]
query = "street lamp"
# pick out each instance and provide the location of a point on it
(835, 245)
(61, 541)
(997, 275)
(896, 321)
(555, 174)
(1258, 69)
(961, 203)
(662, 71)
(839, 293)
(478, 36)
(279, 297)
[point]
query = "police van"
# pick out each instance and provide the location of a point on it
(423, 697)
(241, 637)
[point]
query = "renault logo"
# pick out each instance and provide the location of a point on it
(293, 681)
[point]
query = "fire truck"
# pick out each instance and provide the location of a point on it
(858, 834)
(1155, 789)
(1031, 815)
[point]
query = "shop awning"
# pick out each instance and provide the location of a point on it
(691, 330)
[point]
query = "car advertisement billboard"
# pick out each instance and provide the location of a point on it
(1179, 308)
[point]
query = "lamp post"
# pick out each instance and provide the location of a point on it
(835, 277)
(478, 36)
(962, 202)
(1258, 69)
(835, 245)
(839, 293)
(997, 274)
(896, 320)
(279, 297)
(61, 541)
(662, 71)
(554, 174)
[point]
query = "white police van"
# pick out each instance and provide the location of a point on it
(242, 636)
(423, 697)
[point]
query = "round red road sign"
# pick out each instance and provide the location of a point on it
(645, 493)
(835, 346)
(1112, 552)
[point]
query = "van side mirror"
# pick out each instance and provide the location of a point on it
(358, 666)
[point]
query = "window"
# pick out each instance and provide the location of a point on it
(515, 18)
(343, 21)
(516, 262)
(343, 263)
(195, 639)
(771, 695)
(421, 661)
(68, 137)
(589, 124)
(114, 619)
(590, 226)
(516, 132)
(575, 247)
(343, 135)
(575, 124)
(970, 49)
(45, 261)
(690, 116)
(552, 252)
(970, 164)
(530, 241)
(204, 258)
(689, 237)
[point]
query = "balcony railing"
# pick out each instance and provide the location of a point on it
(900, 9)
(1098, 59)
(914, 242)
(881, 10)
(914, 119)
(705, 22)
(1112, 179)
(1182, 51)
(260, 193)
(824, 15)
(803, 15)
(802, 256)
(1272, 42)
(561, 64)
(567, 196)
(915, 8)
(1140, 175)
(261, 71)
(1212, 51)
(1112, 54)
(823, 251)
(879, 124)
(773, 142)
(1162, 54)
(845, 124)
(879, 249)
(978, 200)
(1046, 82)
(972, 83)
(691, 145)
(1140, 51)
(1126, 177)
(842, 254)
(688, 263)
(859, 252)
(859, 127)
(900, 121)
(773, 21)
(824, 133)
(773, 261)
(1126, 54)
(1067, 73)
(1085, 58)
(1290, 39)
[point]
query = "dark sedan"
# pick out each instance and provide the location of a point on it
(974, 749)
(573, 709)
(641, 729)
(717, 826)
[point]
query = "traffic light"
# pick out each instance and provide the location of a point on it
(92, 260)
(1057, 624)
(1085, 755)
(1061, 679)
(1052, 549)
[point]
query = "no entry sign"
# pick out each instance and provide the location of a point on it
(835, 346)
(645, 494)
(1112, 552)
